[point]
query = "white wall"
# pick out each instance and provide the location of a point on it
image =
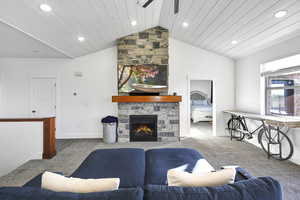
(248, 91)
(17, 145)
(248, 70)
(78, 116)
(202, 86)
(189, 62)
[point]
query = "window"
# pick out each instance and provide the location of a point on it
(281, 80)
(283, 94)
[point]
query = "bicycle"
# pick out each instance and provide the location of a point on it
(273, 139)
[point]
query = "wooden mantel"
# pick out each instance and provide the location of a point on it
(146, 99)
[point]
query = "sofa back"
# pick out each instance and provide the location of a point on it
(136, 168)
(128, 164)
(133, 166)
(159, 161)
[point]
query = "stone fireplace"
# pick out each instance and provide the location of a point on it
(145, 110)
(157, 122)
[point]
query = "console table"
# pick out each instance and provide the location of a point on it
(272, 132)
(49, 139)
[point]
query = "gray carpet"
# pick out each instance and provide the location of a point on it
(218, 151)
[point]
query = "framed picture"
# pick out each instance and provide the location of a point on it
(142, 79)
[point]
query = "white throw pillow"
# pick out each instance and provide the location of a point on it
(202, 166)
(59, 183)
(185, 179)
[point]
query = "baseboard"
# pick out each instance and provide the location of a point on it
(20, 161)
(84, 135)
(66, 138)
(35, 156)
(295, 158)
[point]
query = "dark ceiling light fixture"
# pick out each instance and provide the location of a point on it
(176, 5)
(147, 3)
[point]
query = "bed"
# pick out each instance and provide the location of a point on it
(201, 108)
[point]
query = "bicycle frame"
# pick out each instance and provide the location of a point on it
(267, 128)
(247, 131)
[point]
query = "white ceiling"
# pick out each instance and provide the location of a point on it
(215, 23)
(17, 44)
(26, 31)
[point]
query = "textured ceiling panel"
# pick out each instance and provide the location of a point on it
(213, 24)
(16, 44)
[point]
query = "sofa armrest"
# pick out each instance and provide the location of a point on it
(242, 174)
(263, 188)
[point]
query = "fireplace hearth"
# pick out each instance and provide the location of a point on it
(143, 128)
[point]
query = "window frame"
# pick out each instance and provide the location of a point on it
(267, 88)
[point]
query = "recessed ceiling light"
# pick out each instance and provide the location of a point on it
(81, 39)
(185, 24)
(234, 42)
(45, 8)
(133, 23)
(280, 14)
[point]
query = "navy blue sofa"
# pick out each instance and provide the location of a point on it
(143, 176)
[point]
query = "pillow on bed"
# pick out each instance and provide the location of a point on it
(199, 102)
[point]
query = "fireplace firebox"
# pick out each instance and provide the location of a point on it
(143, 128)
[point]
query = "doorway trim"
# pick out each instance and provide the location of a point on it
(31, 86)
(57, 97)
(197, 78)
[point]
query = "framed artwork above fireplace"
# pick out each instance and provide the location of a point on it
(142, 79)
(143, 60)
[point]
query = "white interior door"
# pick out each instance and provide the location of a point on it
(43, 97)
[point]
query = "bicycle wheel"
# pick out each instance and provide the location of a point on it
(275, 136)
(235, 124)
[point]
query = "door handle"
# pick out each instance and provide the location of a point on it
(33, 111)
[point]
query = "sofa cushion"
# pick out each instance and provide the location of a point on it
(159, 161)
(128, 164)
(264, 188)
(34, 193)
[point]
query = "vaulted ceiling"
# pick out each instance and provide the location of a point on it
(27, 31)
